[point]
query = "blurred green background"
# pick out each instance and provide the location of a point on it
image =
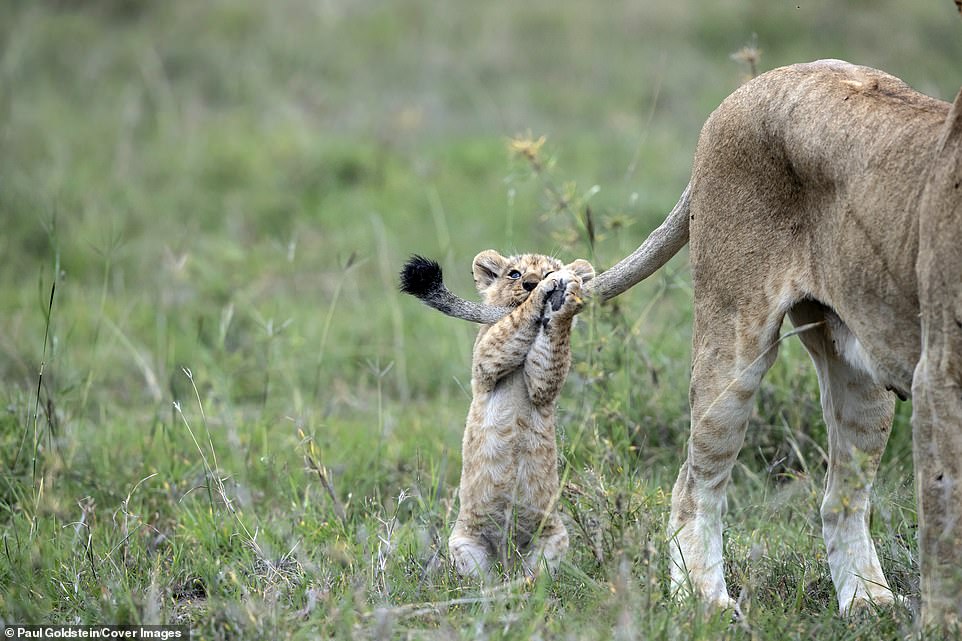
(229, 188)
(183, 158)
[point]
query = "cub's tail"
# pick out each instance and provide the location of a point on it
(422, 278)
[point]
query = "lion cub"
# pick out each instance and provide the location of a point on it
(509, 477)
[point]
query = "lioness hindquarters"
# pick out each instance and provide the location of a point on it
(509, 478)
(758, 198)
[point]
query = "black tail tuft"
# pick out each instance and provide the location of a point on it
(420, 276)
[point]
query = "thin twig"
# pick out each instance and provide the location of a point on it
(409, 610)
(339, 510)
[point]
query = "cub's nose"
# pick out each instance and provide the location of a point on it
(529, 284)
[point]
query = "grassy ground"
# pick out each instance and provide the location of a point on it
(241, 424)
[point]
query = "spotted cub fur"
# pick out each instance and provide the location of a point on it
(509, 478)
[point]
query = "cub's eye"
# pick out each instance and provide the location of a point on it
(546, 274)
(514, 274)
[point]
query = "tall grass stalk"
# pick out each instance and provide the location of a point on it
(643, 136)
(389, 281)
(214, 481)
(271, 332)
(439, 216)
(564, 199)
(325, 330)
(35, 454)
(47, 316)
(379, 374)
(112, 244)
(311, 457)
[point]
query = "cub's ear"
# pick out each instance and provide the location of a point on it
(583, 269)
(487, 267)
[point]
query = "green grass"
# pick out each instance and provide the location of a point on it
(243, 426)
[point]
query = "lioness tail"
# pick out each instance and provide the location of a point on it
(422, 278)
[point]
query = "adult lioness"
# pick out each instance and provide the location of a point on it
(806, 199)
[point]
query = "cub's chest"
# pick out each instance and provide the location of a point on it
(506, 402)
(504, 419)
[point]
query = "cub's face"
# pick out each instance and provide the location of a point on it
(506, 281)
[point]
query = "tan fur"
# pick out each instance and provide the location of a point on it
(937, 386)
(509, 477)
(829, 193)
(804, 201)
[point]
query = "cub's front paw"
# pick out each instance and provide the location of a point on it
(556, 298)
(548, 289)
(566, 300)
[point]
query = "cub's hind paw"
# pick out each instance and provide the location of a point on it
(469, 556)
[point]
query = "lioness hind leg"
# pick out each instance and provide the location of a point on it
(858, 416)
(730, 356)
